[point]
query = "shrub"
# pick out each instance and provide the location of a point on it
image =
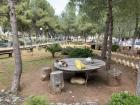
(114, 48)
(65, 51)
(53, 48)
(21, 43)
(36, 100)
(80, 53)
(124, 99)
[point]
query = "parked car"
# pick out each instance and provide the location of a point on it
(3, 45)
(137, 45)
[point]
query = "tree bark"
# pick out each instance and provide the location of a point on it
(85, 39)
(109, 46)
(53, 54)
(136, 30)
(30, 37)
(17, 54)
(104, 48)
(77, 38)
(110, 33)
(84, 35)
(138, 82)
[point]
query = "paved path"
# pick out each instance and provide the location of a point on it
(29, 46)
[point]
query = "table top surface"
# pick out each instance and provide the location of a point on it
(97, 64)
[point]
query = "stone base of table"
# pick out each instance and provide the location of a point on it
(78, 80)
(114, 78)
(56, 81)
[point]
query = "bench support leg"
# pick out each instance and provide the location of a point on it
(10, 54)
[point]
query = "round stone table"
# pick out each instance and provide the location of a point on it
(97, 64)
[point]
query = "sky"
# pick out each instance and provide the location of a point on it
(58, 5)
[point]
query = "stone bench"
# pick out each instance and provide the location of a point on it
(45, 73)
(114, 77)
(56, 81)
(9, 52)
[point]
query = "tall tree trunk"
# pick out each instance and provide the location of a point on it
(110, 45)
(85, 39)
(30, 37)
(104, 45)
(136, 30)
(18, 62)
(53, 54)
(110, 33)
(24, 40)
(119, 35)
(138, 82)
(77, 38)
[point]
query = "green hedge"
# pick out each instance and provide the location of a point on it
(77, 52)
(124, 99)
(66, 51)
(36, 100)
(114, 48)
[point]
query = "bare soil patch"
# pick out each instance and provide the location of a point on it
(96, 89)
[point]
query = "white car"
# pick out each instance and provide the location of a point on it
(137, 45)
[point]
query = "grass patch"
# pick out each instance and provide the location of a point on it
(7, 67)
(36, 64)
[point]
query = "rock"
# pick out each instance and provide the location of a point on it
(77, 103)
(73, 96)
(64, 104)
(6, 98)
(92, 103)
(70, 92)
(3, 90)
(123, 62)
(45, 73)
(52, 103)
(0, 100)
(128, 63)
(15, 99)
(137, 66)
(59, 104)
(133, 65)
(119, 61)
(78, 80)
(1, 71)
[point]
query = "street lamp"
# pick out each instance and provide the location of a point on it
(41, 29)
(41, 32)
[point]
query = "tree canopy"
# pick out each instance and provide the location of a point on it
(88, 16)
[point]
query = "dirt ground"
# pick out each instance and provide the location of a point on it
(96, 90)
